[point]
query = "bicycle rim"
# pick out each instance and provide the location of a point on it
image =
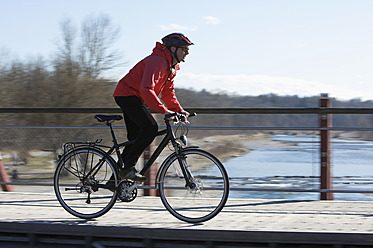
(202, 202)
(85, 198)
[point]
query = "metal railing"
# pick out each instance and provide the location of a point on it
(321, 111)
(317, 111)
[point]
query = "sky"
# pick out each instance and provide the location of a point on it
(243, 47)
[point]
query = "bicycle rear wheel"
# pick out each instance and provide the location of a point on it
(202, 201)
(80, 180)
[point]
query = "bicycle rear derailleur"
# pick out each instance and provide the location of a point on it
(127, 190)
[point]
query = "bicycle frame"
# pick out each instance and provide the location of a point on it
(169, 136)
(86, 168)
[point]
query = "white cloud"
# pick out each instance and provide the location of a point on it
(211, 20)
(243, 84)
(176, 27)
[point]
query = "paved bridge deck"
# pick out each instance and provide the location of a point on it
(268, 222)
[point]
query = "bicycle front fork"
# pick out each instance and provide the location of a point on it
(189, 182)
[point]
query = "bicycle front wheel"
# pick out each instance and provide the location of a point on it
(80, 182)
(207, 193)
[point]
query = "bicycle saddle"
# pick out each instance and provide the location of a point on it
(103, 118)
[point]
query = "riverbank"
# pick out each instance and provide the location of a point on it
(229, 146)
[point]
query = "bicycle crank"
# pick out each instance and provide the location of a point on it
(127, 190)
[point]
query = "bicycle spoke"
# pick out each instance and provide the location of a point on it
(206, 193)
(78, 188)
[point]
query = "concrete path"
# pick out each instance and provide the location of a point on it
(238, 215)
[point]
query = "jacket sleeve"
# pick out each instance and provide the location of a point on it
(153, 73)
(169, 97)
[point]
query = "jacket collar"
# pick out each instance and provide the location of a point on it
(161, 50)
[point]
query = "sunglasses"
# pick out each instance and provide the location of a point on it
(184, 49)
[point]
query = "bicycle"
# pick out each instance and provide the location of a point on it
(193, 184)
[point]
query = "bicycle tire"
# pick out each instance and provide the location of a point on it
(85, 199)
(204, 201)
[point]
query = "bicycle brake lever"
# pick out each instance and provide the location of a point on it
(176, 120)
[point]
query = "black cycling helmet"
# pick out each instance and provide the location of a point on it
(176, 40)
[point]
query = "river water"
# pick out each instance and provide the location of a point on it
(293, 162)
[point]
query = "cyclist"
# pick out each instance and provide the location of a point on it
(140, 88)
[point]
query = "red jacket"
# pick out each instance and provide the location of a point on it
(151, 77)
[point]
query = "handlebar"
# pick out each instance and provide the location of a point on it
(179, 117)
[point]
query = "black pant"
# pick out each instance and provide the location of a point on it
(141, 127)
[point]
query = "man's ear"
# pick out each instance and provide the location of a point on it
(173, 49)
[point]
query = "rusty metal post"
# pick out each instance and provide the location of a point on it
(4, 177)
(325, 154)
(151, 174)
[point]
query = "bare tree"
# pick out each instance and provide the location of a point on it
(79, 63)
(67, 57)
(93, 54)
(5, 84)
(96, 54)
(4, 58)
